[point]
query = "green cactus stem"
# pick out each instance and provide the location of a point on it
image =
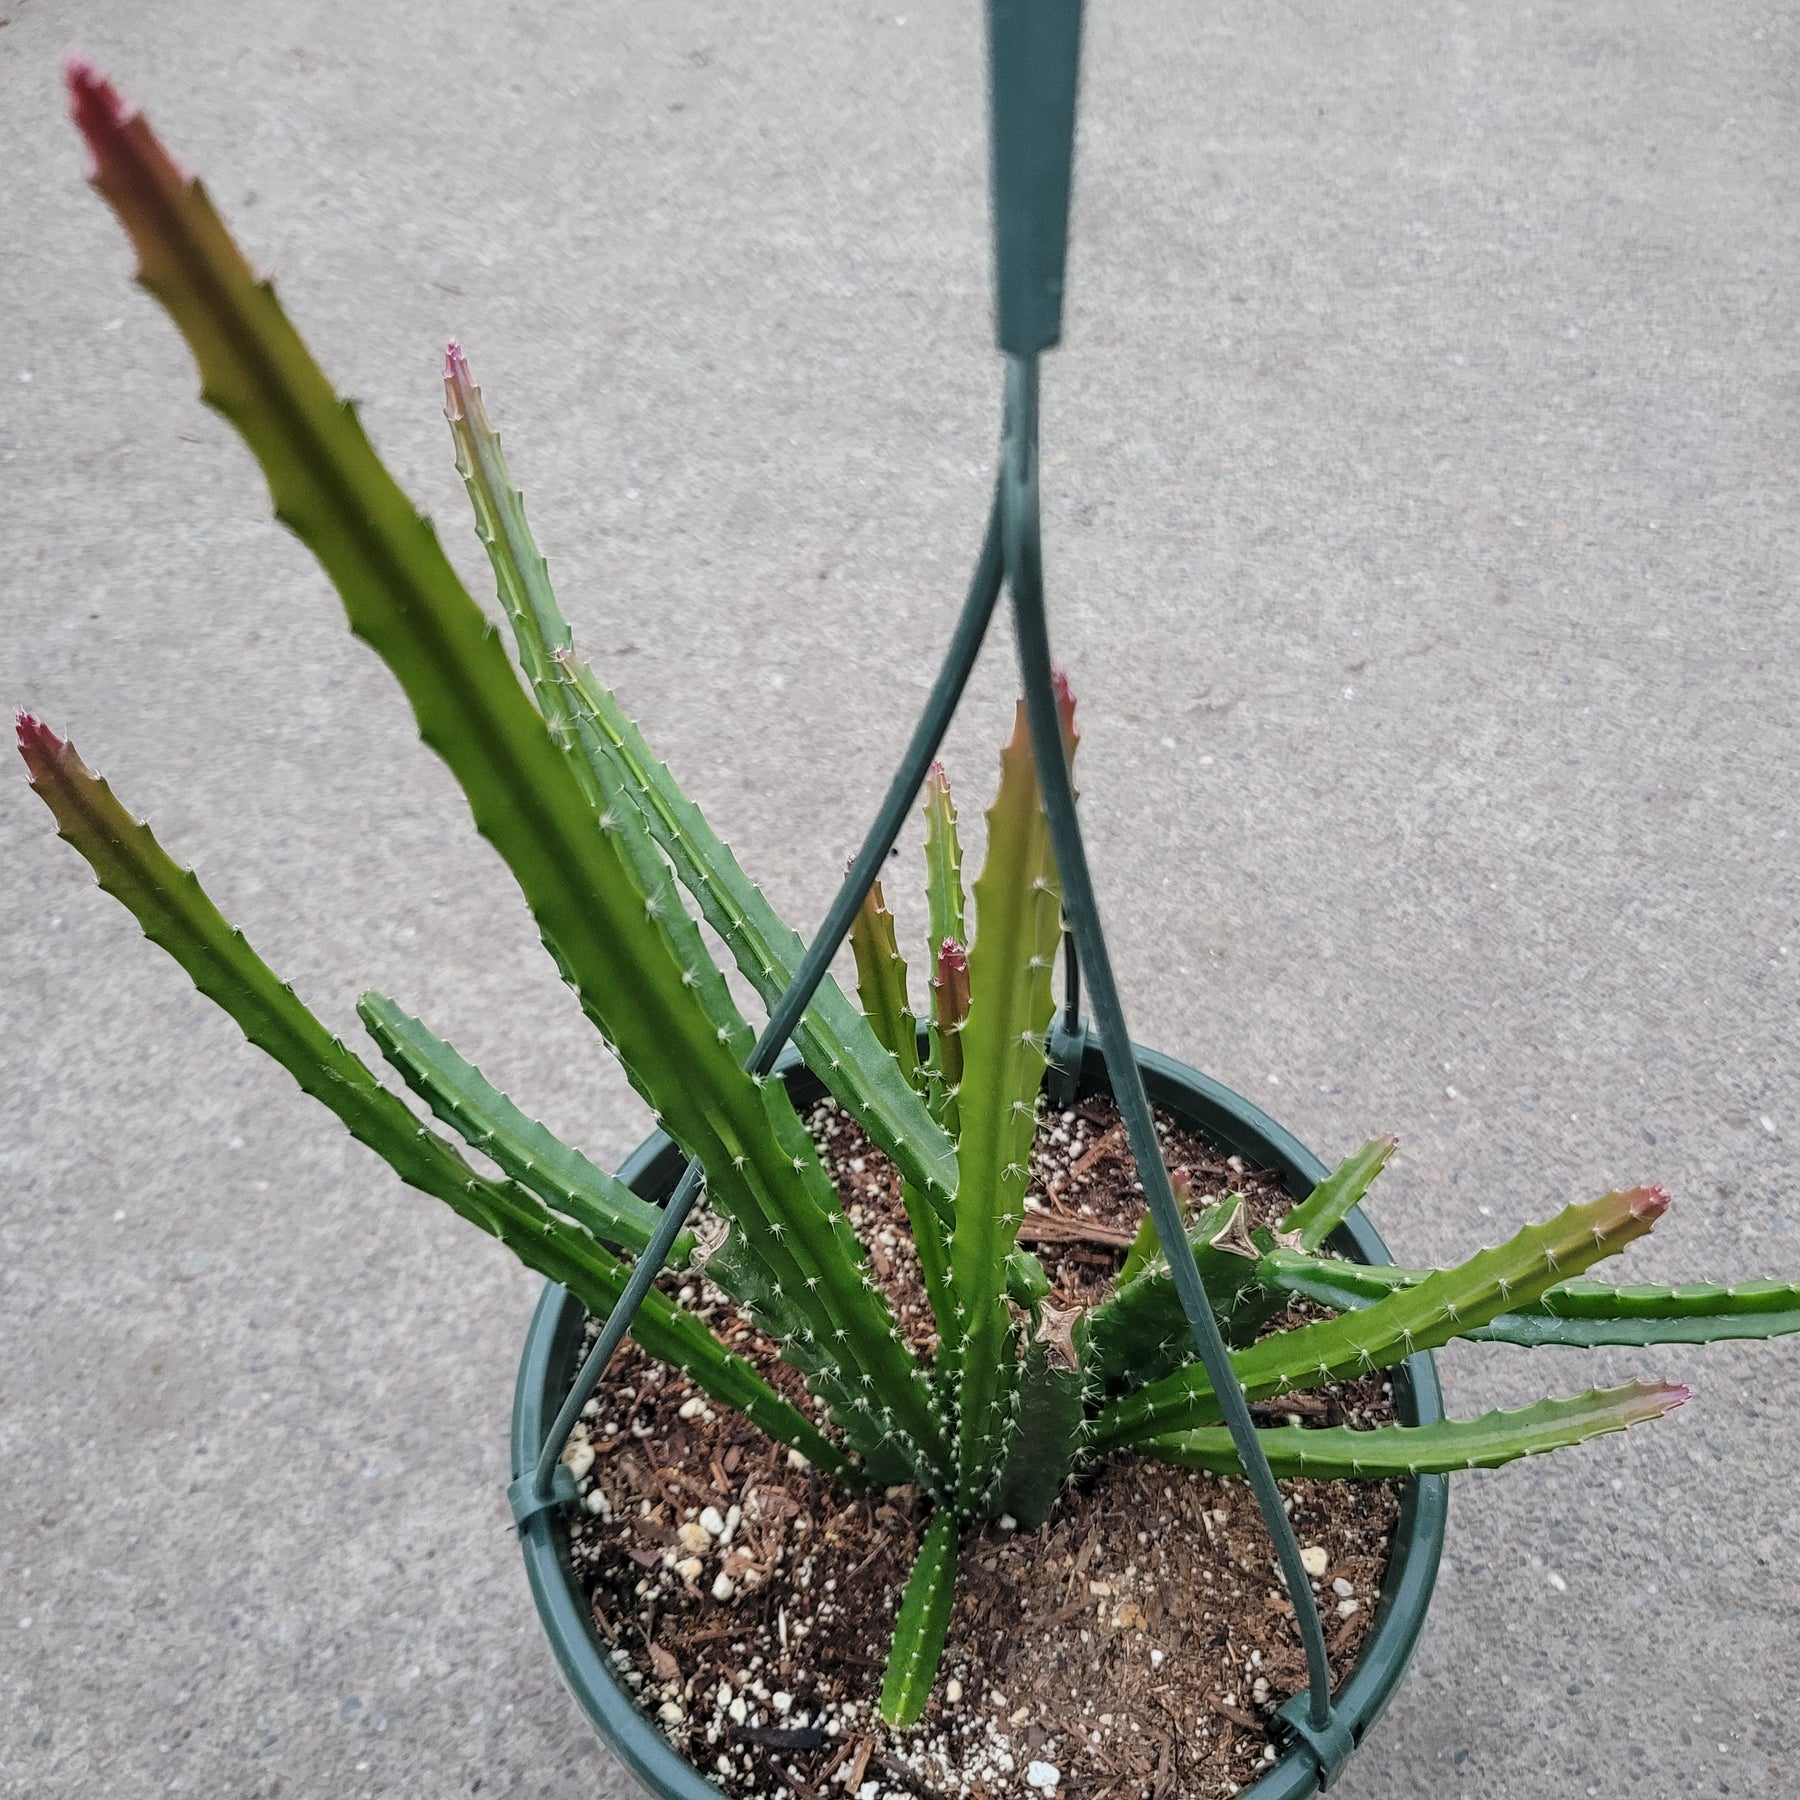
(881, 981)
(1343, 1286)
(1730, 1319)
(176, 914)
(1140, 1332)
(1146, 1247)
(944, 907)
(1306, 1227)
(1579, 1314)
(609, 933)
(609, 752)
(1048, 1416)
(1329, 1204)
(1339, 1452)
(462, 1097)
(1447, 1304)
(923, 1624)
(933, 1245)
(1026, 1281)
(1018, 923)
(950, 1012)
(943, 861)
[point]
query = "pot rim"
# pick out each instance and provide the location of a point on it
(552, 1351)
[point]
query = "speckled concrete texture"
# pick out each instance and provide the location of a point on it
(1421, 514)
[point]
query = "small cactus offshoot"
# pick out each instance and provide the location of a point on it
(1023, 1389)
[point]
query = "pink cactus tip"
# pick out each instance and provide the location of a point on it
(1648, 1202)
(35, 737)
(937, 776)
(91, 95)
(1065, 706)
(125, 155)
(456, 365)
(1674, 1394)
(100, 111)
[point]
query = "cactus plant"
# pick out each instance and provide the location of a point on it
(1023, 1388)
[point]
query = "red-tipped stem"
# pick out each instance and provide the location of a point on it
(96, 105)
(462, 398)
(1065, 710)
(952, 985)
(950, 1010)
(125, 152)
(38, 744)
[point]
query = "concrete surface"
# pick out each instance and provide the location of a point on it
(1422, 522)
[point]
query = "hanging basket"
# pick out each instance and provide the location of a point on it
(553, 1348)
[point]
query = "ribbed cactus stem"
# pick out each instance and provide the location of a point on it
(932, 1242)
(881, 981)
(1340, 1452)
(626, 785)
(950, 1003)
(945, 905)
(1018, 924)
(1140, 1332)
(176, 914)
(924, 1622)
(1580, 1314)
(540, 630)
(1320, 1214)
(1448, 1304)
(1047, 1413)
(1146, 1247)
(458, 1093)
(943, 860)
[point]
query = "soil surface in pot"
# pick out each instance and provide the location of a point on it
(1137, 1644)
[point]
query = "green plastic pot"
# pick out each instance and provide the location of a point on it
(553, 1349)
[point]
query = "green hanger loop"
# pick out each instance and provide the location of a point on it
(1034, 57)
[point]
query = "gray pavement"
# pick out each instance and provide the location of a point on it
(1420, 487)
